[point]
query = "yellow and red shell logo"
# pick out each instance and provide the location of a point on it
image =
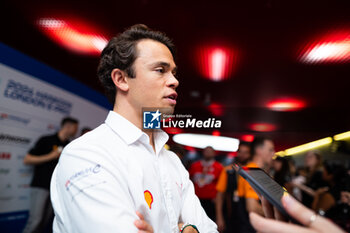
(148, 198)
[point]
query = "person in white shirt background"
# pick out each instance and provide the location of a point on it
(118, 177)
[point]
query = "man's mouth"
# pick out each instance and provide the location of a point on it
(172, 98)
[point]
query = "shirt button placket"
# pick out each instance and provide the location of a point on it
(168, 200)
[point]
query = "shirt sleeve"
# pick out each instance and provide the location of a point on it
(90, 195)
(37, 149)
(222, 182)
(192, 212)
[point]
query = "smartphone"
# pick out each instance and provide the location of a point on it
(262, 183)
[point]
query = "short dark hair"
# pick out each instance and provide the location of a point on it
(69, 120)
(257, 142)
(244, 143)
(121, 53)
(85, 130)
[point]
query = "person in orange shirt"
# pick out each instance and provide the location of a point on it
(227, 191)
(262, 150)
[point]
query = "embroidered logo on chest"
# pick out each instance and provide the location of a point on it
(148, 198)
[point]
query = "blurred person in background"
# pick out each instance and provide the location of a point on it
(314, 181)
(298, 176)
(44, 157)
(227, 194)
(262, 151)
(205, 174)
(340, 212)
(85, 130)
(180, 152)
(282, 174)
(327, 196)
(298, 180)
(191, 156)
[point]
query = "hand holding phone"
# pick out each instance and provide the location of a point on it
(264, 185)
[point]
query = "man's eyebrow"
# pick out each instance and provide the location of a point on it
(164, 64)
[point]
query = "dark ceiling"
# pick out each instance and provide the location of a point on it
(268, 34)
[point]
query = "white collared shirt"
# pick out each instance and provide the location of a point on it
(108, 174)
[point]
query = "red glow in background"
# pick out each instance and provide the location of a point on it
(331, 48)
(286, 104)
(216, 63)
(74, 35)
(263, 127)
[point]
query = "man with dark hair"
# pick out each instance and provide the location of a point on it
(121, 52)
(119, 177)
(44, 157)
(227, 192)
(262, 151)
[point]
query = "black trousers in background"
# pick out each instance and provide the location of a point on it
(209, 207)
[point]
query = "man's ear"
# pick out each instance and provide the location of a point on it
(119, 79)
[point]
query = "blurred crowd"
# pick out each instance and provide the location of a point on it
(227, 198)
(323, 186)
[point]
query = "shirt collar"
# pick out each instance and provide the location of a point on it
(252, 164)
(130, 133)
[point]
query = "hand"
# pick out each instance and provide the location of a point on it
(190, 230)
(55, 154)
(220, 222)
(298, 212)
(321, 190)
(142, 225)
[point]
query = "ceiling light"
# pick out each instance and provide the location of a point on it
(216, 63)
(219, 143)
(71, 35)
(263, 127)
(333, 48)
(342, 136)
(308, 146)
(286, 104)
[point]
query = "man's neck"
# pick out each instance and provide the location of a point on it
(130, 114)
(258, 161)
(135, 118)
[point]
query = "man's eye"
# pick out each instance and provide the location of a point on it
(160, 70)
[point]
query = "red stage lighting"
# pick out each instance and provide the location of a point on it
(216, 63)
(232, 155)
(247, 138)
(173, 130)
(333, 48)
(216, 133)
(189, 148)
(286, 104)
(75, 36)
(262, 127)
(216, 109)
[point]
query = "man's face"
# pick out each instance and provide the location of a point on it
(154, 83)
(311, 160)
(243, 154)
(267, 151)
(208, 153)
(71, 129)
